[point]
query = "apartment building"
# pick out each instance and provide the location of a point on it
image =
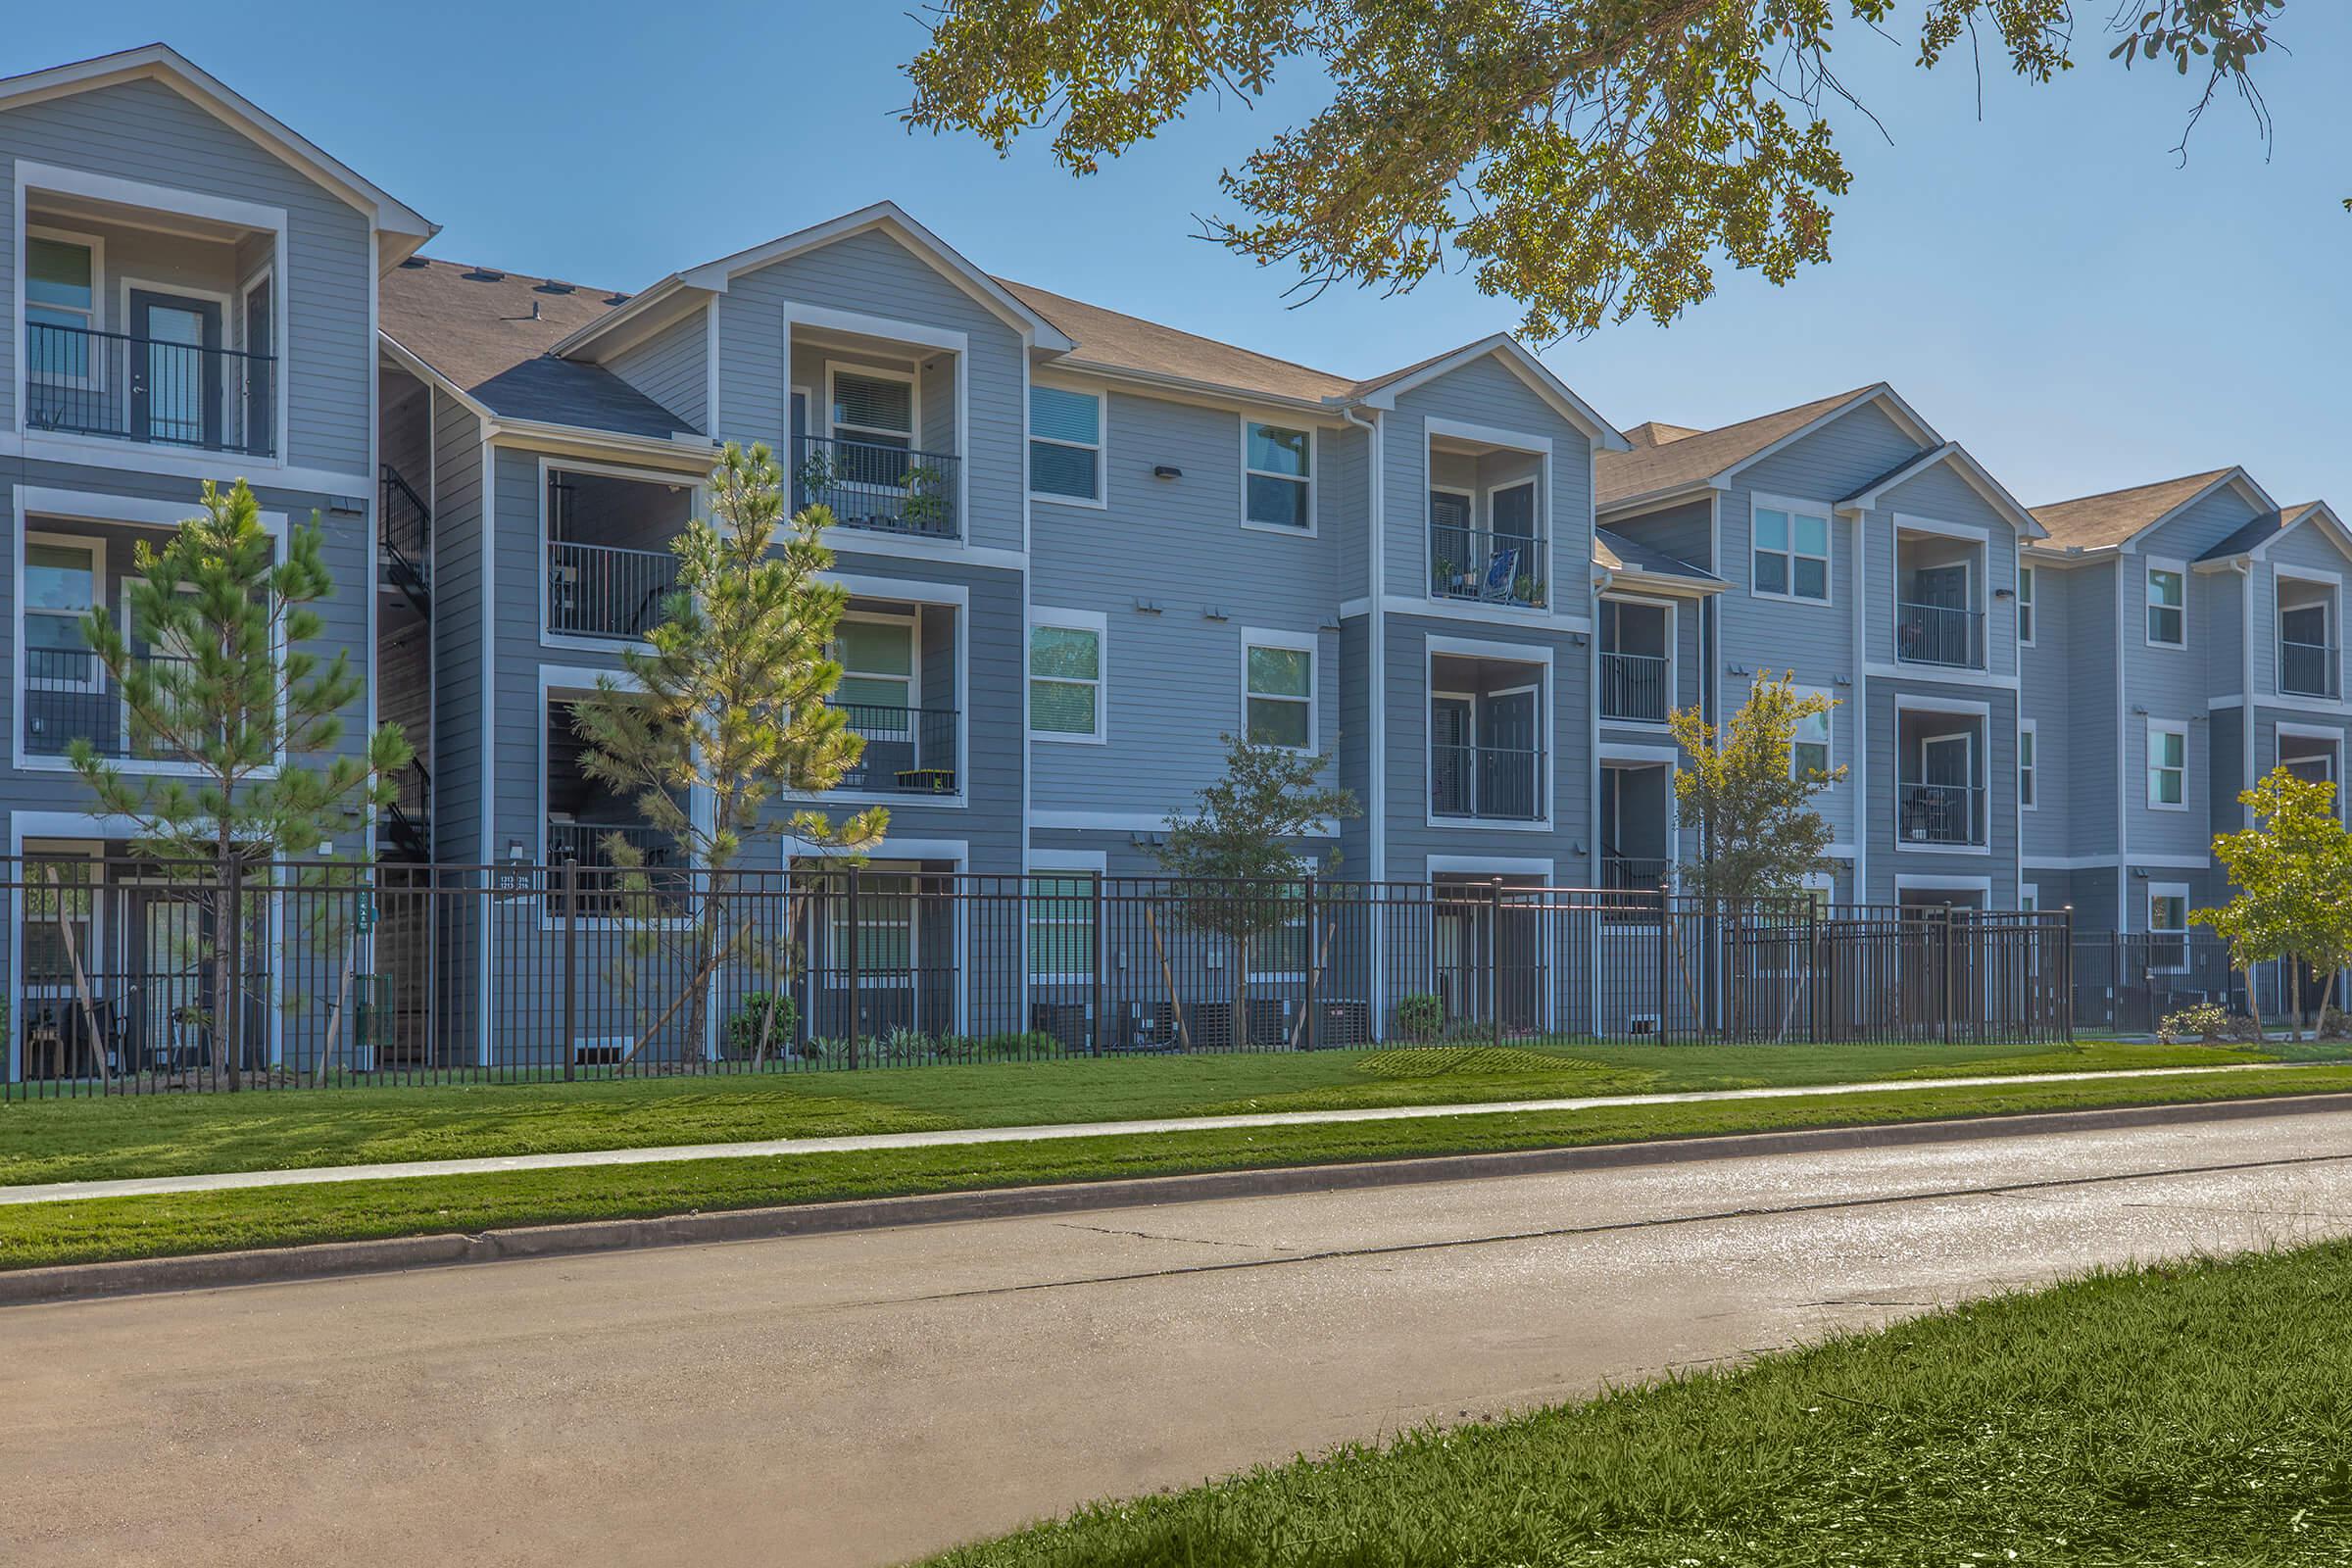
(2182, 640)
(1081, 547)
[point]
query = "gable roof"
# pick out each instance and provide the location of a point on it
(2260, 532)
(2115, 517)
(1614, 552)
(1688, 460)
(404, 228)
(1128, 345)
(1972, 473)
(1381, 391)
(488, 333)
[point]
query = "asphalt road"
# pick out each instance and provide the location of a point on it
(862, 1399)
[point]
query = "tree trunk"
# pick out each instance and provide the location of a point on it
(2254, 1005)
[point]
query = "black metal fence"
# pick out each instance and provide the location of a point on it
(340, 974)
(2131, 982)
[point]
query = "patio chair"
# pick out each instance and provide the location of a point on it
(1502, 574)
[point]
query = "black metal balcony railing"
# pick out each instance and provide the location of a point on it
(1484, 566)
(909, 750)
(604, 591)
(1941, 813)
(1938, 634)
(1489, 783)
(590, 844)
(1635, 873)
(1632, 686)
(882, 488)
(136, 389)
(2310, 669)
(69, 696)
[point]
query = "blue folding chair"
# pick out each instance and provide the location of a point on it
(1503, 570)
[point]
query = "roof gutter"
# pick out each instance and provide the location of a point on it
(541, 432)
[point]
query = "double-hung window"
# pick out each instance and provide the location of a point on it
(2024, 605)
(2026, 737)
(1279, 693)
(1062, 926)
(884, 929)
(1809, 745)
(873, 429)
(2167, 611)
(60, 306)
(1065, 444)
(1278, 476)
(60, 588)
(2168, 927)
(1065, 680)
(2167, 765)
(876, 693)
(1791, 554)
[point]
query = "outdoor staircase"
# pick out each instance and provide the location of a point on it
(405, 533)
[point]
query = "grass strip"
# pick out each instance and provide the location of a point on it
(36, 1233)
(2192, 1413)
(171, 1134)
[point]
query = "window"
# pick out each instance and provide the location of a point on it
(2168, 927)
(2026, 741)
(876, 410)
(1278, 483)
(2029, 898)
(59, 923)
(2167, 615)
(885, 926)
(877, 681)
(61, 291)
(2167, 767)
(1279, 694)
(1062, 926)
(1793, 554)
(1809, 749)
(2024, 605)
(1286, 952)
(60, 588)
(1065, 681)
(1065, 444)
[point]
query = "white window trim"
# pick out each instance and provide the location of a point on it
(2028, 602)
(1536, 657)
(1830, 719)
(266, 273)
(94, 943)
(2284, 732)
(2156, 727)
(914, 678)
(95, 550)
(96, 245)
(1978, 739)
(836, 369)
(1101, 447)
(2149, 605)
(1088, 865)
(2029, 898)
(1674, 655)
(2147, 916)
(1089, 620)
(1315, 465)
(1306, 641)
(2029, 740)
(1757, 502)
(2333, 582)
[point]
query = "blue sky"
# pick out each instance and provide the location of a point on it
(2045, 282)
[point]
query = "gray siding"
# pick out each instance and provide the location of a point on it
(670, 367)
(461, 649)
(143, 130)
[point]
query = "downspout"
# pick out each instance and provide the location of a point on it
(1859, 815)
(2123, 752)
(1376, 642)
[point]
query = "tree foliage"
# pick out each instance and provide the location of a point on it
(215, 678)
(724, 712)
(1592, 160)
(1759, 835)
(2292, 869)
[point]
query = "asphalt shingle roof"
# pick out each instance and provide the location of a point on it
(1617, 553)
(1693, 457)
(2096, 522)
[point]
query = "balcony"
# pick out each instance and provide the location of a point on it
(1487, 783)
(879, 487)
(2310, 669)
(909, 750)
(69, 696)
(607, 591)
(1483, 566)
(1637, 670)
(1635, 873)
(1950, 815)
(80, 381)
(1941, 635)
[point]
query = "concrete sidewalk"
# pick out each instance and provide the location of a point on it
(155, 1186)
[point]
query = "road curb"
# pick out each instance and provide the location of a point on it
(328, 1259)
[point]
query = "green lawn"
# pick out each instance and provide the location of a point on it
(2200, 1413)
(32, 1233)
(81, 1139)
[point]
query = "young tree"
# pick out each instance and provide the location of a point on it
(728, 705)
(1590, 158)
(1237, 847)
(1759, 835)
(222, 685)
(2292, 868)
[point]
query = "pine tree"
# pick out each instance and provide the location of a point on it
(226, 690)
(729, 704)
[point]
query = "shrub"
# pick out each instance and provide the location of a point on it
(2334, 1023)
(1420, 1015)
(751, 1012)
(2207, 1023)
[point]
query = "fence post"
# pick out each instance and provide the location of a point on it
(1313, 967)
(1944, 1028)
(229, 1035)
(1812, 971)
(1665, 913)
(851, 924)
(2115, 978)
(2065, 972)
(571, 966)
(1495, 959)
(1101, 1029)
